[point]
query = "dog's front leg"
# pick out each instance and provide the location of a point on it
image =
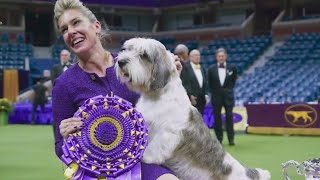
(160, 148)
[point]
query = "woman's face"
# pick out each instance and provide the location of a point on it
(79, 34)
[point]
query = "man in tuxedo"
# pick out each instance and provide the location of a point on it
(182, 52)
(221, 80)
(58, 69)
(195, 82)
(64, 64)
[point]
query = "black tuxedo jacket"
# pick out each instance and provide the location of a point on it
(190, 83)
(57, 70)
(222, 93)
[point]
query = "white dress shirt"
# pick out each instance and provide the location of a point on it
(198, 73)
(65, 68)
(222, 73)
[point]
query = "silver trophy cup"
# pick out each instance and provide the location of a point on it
(309, 168)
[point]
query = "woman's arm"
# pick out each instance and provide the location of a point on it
(62, 108)
(168, 177)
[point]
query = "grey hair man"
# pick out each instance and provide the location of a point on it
(182, 51)
(195, 81)
(64, 64)
(222, 77)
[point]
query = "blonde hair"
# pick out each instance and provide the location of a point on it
(63, 5)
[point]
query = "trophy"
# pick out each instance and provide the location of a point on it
(111, 143)
(309, 168)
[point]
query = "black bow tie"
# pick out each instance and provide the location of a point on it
(221, 65)
(65, 65)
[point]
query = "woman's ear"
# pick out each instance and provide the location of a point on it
(97, 26)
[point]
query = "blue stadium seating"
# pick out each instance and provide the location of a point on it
(291, 75)
(288, 18)
(12, 54)
(200, 26)
(38, 65)
(241, 52)
(58, 47)
(5, 37)
(169, 43)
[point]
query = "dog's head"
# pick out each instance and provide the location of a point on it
(144, 65)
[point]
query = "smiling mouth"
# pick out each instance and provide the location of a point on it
(126, 74)
(77, 41)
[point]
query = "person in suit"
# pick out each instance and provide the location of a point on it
(40, 98)
(195, 81)
(58, 69)
(182, 51)
(64, 64)
(221, 80)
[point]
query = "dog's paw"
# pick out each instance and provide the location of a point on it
(152, 159)
(148, 159)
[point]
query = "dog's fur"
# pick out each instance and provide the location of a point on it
(178, 138)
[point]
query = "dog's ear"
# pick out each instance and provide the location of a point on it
(160, 73)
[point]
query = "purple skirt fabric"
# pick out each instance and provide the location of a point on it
(152, 171)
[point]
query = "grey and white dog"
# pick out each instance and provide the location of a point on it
(178, 138)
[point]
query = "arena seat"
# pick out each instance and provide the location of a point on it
(58, 47)
(38, 65)
(291, 75)
(289, 18)
(241, 52)
(13, 54)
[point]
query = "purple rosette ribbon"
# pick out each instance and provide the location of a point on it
(111, 143)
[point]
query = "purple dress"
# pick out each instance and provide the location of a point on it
(74, 86)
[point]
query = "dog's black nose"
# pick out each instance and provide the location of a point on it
(122, 63)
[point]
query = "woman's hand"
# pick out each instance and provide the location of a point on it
(70, 125)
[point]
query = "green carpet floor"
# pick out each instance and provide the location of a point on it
(27, 153)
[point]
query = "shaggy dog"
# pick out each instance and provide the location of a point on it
(178, 138)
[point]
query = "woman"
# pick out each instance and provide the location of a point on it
(93, 75)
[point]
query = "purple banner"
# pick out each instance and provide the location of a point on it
(284, 115)
(22, 114)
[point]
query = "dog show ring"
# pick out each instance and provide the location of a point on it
(111, 143)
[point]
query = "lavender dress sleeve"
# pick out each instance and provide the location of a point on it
(62, 108)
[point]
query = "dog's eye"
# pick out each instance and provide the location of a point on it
(122, 49)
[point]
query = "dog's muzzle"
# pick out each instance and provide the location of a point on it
(122, 63)
(124, 75)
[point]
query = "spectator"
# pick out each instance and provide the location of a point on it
(182, 51)
(40, 98)
(64, 64)
(195, 81)
(221, 79)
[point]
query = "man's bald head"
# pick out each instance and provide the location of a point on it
(182, 51)
(195, 56)
(64, 56)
